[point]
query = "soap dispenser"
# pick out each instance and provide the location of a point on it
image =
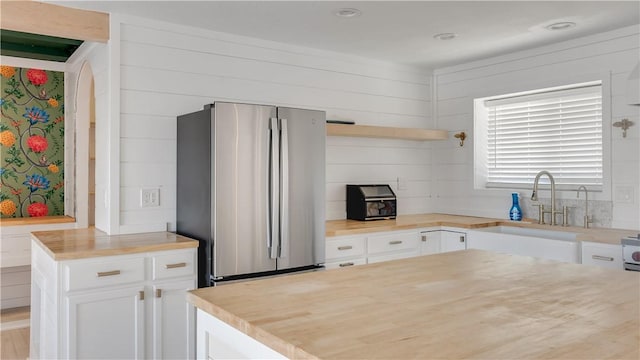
(515, 213)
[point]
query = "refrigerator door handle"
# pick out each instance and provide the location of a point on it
(284, 189)
(267, 192)
(274, 191)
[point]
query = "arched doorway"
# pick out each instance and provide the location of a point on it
(85, 147)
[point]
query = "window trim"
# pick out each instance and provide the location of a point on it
(563, 191)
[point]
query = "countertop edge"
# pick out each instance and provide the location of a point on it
(125, 251)
(123, 248)
(350, 227)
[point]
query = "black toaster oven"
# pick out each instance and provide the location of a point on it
(370, 202)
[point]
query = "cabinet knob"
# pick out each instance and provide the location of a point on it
(461, 238)
(347, 264)
(395, 242)
(158, 293)
(424, 238)
(141, 294)
(346, 247)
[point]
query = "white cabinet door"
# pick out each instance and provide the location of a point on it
(603, 255)
(106, 324)
(430, 242)
(173, 321)
(452, 241)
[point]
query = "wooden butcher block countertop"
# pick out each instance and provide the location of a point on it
(86, 243)
(406, 222)
(457, 305)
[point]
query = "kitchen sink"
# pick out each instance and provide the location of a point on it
(538, 233)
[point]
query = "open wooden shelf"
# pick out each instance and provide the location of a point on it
(40, 220)
(386, 132)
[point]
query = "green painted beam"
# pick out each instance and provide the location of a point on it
(36, 46)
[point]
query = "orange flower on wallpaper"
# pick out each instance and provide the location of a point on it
(7, 138)
(53, 168)
(7, 207)
(7, 71)
(53, 102)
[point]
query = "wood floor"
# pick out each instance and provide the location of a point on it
(14, 343)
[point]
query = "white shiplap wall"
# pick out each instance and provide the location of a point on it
(168, 70)
(610, 56)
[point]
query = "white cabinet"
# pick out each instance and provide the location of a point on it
(430, 241)
(437, 240)
(172, 321)
(108, 324)
(219, 340)
(603, 255)
(452, 240)
(118, 307)
(345, 251)
(392, 246)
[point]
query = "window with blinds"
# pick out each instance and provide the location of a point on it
(557, 130)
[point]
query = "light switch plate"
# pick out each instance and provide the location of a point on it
(150, 197)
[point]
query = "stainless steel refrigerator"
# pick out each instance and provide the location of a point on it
(251, 189)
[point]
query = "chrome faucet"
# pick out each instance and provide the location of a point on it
(534, 197)
(586, 205)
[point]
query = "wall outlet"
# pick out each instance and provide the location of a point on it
(150, 197)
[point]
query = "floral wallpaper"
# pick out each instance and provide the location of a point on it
(31, 142)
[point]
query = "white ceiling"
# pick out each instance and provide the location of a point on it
(393, 31)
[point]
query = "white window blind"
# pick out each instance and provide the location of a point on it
(559, 131)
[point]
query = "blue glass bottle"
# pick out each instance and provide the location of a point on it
(515, 213)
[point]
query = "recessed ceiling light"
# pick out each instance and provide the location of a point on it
(561, 25)
(445, 36)
(347, 12)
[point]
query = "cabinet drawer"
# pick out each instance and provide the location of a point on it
(344, 247)
(84, 275)
(345, 263)
(604, 255)
(392, 242)
(174, 265)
